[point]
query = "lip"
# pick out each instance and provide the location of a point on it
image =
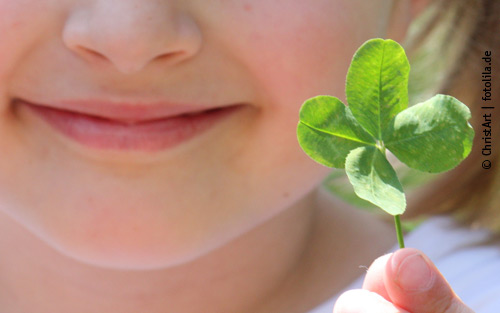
(125, 112)
(130, 127)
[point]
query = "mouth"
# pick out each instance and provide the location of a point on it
(120, 119)
(127, 113)
(129, 127)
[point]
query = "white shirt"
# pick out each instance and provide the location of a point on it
(471, 268)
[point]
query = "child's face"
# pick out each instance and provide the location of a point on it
(161, 208)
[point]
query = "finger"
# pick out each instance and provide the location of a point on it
(364, 301)
(374, 279)
(414, 283)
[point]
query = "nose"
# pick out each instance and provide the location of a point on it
(130, 34)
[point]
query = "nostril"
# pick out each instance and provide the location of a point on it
(93, 54)
(171, 57)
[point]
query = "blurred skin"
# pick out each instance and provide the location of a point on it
(225, 222)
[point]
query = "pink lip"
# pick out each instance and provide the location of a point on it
(126, 112)
(153, 132)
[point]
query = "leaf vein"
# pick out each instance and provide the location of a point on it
(338, 135)
(380, 92)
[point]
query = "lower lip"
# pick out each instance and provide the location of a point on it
(149, 136)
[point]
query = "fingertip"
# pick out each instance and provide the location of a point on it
(411, 270)
(414, 283)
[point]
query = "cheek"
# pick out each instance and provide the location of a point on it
(294, 50)
(21, 27)
(298, 49)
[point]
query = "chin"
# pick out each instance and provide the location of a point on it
(120, 245)
(139, 251)
(125, 256)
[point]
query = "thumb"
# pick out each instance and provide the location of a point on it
(414, 283)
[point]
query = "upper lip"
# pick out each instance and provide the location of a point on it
(126, 112)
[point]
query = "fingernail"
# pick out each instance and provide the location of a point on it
(414, 274)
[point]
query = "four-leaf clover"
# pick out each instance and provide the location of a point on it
(432, 136)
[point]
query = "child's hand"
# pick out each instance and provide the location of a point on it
(404, 281)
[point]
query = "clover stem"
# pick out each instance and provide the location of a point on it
(399, 231)
(397, 221)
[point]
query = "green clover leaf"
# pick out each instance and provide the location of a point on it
(328, 131)
(372, 176)
(377, 84)
(432, 136)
